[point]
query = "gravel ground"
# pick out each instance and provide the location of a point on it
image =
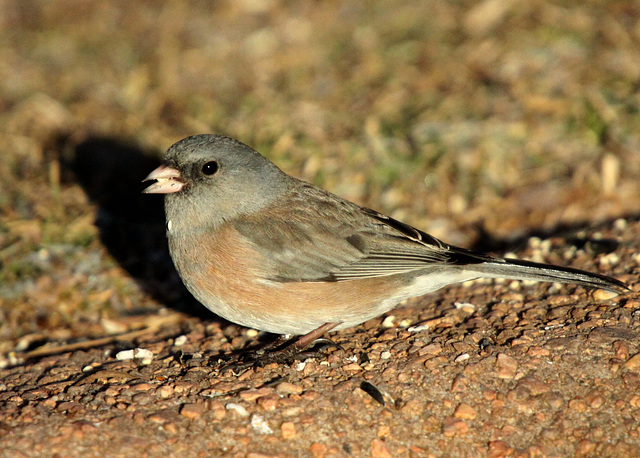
(492, 369)
(496, 125)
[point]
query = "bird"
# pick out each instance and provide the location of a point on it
(268, 251)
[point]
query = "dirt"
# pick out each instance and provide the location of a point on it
(481, 369)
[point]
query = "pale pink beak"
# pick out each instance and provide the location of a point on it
(168, 180)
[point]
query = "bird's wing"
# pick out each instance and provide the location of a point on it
(319, 237)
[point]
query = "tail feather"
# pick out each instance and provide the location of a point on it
(516, 269)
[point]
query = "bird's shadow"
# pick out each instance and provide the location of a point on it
(131, 225)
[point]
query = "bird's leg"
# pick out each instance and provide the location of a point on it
(307, 339)
(289, 350)
(296, 349)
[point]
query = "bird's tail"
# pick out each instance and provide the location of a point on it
(515, 269)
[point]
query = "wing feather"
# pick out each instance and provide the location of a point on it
(315, 236)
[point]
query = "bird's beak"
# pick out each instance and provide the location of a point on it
(168, 180)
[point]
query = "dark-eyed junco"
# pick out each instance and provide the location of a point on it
(268, 251)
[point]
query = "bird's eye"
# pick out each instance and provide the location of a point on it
(210, 168)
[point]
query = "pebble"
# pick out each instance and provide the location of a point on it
(413, 408)
(318, 450)
(534, 385)
(192, 411)
(460, 383)
(466, 307)
(292, 411)
(260, 425)
(461, 358)
(538, 351)
(499, 449)
(609, 260)
(268, 403)
(596, 402)
(620, 224)
(435, 363)
(603, 295)
(553, 399)
(352, 367)
(237, 408)
(418, 328)
(218, 409)
(288, 430)
(578, 404)
(161, 417)
(454, 427)
(622, 349)
(585, 448)
(137, 353)
(252, 395)
(633, 363)
(507, 366)
(431, 349)
(185, 387)
(165, 391)
(141, 387)
(389, 322)
(465, 412)
(284, 388)
(180, 341)
(383, 431)
(380, 450)
(142, 399)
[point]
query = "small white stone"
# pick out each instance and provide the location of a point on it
(620, 224)
(137, 353)
(385, 355)
(418, 328)
(389, 322)
(466, 306)
(237, 408)
(461, 358)
(604, 295)
(260, 425)
(610, 259)
(555, 288)
(124, 355)
(180, 341)
(534, 242)
(570, 253)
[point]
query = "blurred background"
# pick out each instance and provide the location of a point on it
(478, 121)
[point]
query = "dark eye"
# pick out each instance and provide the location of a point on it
(210, 168)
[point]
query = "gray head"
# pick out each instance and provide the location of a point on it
(212, 178)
